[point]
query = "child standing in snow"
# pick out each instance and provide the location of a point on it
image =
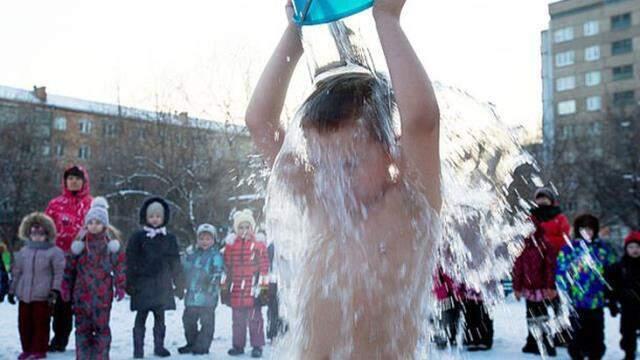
(534, 280)
(36, 281)
(580, 274)
(203, 267)
(624, 278)
(478, 324)
(247, 266)
(154, 274)
(94, 275)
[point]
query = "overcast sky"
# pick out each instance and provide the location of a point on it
(203, 56)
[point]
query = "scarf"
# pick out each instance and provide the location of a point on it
(152, 232)
(40, 245)
(545, 213)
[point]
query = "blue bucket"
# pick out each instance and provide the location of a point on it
(313, 12)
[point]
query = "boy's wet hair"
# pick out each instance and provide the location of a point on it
(348, 96)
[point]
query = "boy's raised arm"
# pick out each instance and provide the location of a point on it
(417, 103)
(264, 110)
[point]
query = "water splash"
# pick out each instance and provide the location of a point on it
(335, 266)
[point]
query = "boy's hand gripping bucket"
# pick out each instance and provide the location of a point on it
(313, 12)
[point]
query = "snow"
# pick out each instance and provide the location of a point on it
(510, 333)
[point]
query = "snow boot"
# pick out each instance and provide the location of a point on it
(256, 352)
(531, 348)
(24, 356)
(235, 351)
(159, 350)
(187, 349)
(36, 356)
(138, 343)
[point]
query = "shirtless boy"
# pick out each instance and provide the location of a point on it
(369, 199)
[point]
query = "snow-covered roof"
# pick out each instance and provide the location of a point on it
(112, 110)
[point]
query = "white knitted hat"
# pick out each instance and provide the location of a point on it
(243, 216)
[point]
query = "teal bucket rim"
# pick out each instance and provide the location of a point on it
(335, 17)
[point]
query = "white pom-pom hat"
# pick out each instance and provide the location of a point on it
(99, 211)
(244, 216)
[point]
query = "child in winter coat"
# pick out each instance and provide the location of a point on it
(247, 267)
(580, 274)
(534, 280)
(478, 329)
(624, 279)
(203, 267)
(447, 293)
(154, 274)
(94, 275)
(36, 281)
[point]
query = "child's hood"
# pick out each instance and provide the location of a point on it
(145, 206)
(41, 219)
(86, 186)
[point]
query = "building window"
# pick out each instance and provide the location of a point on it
(60, 123)
(85, 126)
(59, 150)
(591, 28)
(622, 72)
(592, 78)
(594, 128)
(621, 47)
(621, 22)
(567, 131)
(569, 156)
(594, 103)
(565, 58)
(110, 129)
(623, 98)
(566, 107)
(566, 83)
(84, 152)
(592, 53)
(46, 150)
(562, 35)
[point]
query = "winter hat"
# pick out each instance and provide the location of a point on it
(545, 192)
(207, 228)
(243, 216)
(98, 211)
(155, 208)
(633, 237)
(586, 221)
(74, 171)
(37, 219)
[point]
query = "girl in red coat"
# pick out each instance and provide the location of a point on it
(93, 277)
(534, 280)
(247, 268)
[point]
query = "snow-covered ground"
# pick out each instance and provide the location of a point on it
(510, 332)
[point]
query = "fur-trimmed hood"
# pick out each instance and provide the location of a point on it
(149, 201)
(41, 219)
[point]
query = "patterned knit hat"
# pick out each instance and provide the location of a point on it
(545, 192)
(99, 211)
(207, 228)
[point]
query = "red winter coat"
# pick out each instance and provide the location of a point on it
(444, 287)
(534, 269)
(247, 268)
(68, 211)
(93, 274)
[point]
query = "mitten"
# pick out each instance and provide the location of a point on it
(53, 297)
(119, 294)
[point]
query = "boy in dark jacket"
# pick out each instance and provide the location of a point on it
(154, 274)
(580, 274)
(203, 267)
(534, 280)
(36, 281)
(93, 277)
(624, 279)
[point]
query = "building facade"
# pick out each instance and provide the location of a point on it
(130, 153)
(591, 88)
